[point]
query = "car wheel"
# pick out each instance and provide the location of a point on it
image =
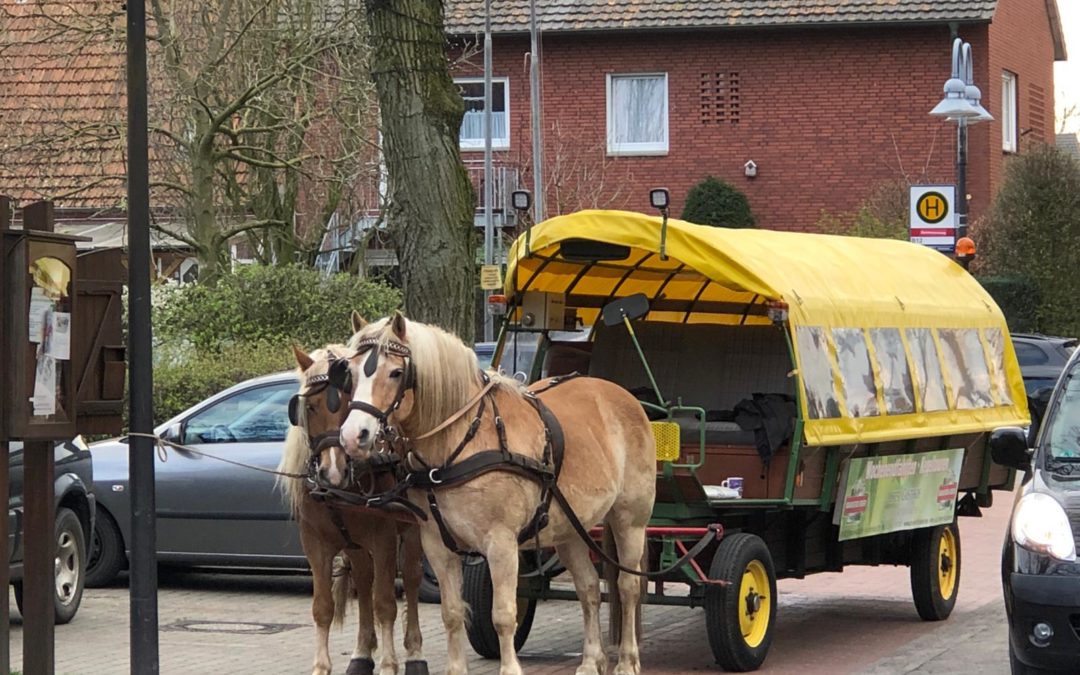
(106, 557)
(429, 585)
(69, 564)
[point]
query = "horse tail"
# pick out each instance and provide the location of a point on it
(342, 590)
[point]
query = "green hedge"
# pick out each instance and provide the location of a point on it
(270, 304)
(1018, 299)
(182, 382)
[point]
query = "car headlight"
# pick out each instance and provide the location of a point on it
(1039, 524)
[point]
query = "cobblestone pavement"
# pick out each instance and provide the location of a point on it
(860, 621)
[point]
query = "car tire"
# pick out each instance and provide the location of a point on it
(70, 568)
(106, 557)
(429, 585)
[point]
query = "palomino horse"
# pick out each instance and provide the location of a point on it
(325, 530)
(418, 381)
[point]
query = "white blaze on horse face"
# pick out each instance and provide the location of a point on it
(334, 474)
(360, 428)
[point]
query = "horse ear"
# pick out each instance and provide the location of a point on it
(302, 359)
(397, 323)
(358, 322)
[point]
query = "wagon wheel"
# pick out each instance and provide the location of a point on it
(739, 617)
(935, 570)
(477, 591)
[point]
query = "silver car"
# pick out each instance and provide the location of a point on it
(209, 513)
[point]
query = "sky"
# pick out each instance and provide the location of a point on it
(1067, 73)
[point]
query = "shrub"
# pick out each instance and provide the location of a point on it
(181, 383)
(269, 304)
(1018, 299)
(1032, 232)
(714, 202)
(882, 215)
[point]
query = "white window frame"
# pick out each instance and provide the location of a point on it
(496, 142)
(1010, 106)
(637, 149)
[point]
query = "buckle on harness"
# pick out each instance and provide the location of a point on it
(432, 478)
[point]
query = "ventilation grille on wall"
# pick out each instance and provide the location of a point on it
(720, 100)
(1037, 111)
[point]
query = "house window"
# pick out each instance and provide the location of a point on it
(637, 114)
(472, 124)
(1008, 112)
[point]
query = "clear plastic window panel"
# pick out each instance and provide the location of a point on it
(817, 373)
(895, 376)
(995, 339)
(860, 389)
(931, 389)
(966, 364)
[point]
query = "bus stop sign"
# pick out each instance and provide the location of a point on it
(933, 219)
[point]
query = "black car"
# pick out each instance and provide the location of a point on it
(1039, 567)
(74, 503)
(1041, 358)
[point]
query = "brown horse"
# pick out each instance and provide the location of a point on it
(368, 539)
(411, 378)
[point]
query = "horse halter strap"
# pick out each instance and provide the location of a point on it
(371, 364)
(316, 384)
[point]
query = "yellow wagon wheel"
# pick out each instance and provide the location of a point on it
(935, 570)
(739, 616)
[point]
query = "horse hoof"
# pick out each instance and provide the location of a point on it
(361, 667)
(416, 668)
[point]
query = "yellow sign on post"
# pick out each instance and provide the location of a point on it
(490, 277)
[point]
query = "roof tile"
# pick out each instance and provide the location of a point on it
(511, 16)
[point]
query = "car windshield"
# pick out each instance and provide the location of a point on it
(518, 353)
(1063, 433)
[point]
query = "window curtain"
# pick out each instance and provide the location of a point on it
(637, 109)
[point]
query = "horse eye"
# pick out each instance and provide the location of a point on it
(395, 373)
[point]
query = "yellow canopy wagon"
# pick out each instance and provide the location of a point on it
(826, 399)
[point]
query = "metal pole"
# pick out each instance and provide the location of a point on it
(489, 226)
(143, 582)
(537, 138)
(961, 181)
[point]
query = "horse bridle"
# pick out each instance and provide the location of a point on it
(316, 384)
(340, 377)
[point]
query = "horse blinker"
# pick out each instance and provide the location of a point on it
(294, 410)
(340, 376)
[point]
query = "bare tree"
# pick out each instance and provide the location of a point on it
(262, 114)
(579, 174)
(262, 102)
(431, 201)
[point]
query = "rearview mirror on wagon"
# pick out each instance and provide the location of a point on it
(632, 307)
(1009, 447)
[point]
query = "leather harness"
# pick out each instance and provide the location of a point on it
(452, 472)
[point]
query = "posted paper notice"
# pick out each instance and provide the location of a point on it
(39, 305)
(57, 342)
(45, 386)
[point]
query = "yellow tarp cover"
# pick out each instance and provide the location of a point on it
(711, 275)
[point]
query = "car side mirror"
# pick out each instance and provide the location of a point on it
(1009, 447)
(174, 433)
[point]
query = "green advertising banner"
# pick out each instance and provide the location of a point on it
(899, 492)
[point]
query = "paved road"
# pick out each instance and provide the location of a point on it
(861, 621)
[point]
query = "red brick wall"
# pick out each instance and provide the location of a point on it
(1020, 41)
(827, 114)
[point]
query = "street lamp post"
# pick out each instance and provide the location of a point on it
(961, 104)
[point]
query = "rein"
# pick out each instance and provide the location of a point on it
(162, 444)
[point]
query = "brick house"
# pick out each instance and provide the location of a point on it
(829, 98)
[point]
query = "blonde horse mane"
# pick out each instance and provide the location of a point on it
(297, 451)
(447, 372)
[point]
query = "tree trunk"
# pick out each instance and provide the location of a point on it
(431, 199)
